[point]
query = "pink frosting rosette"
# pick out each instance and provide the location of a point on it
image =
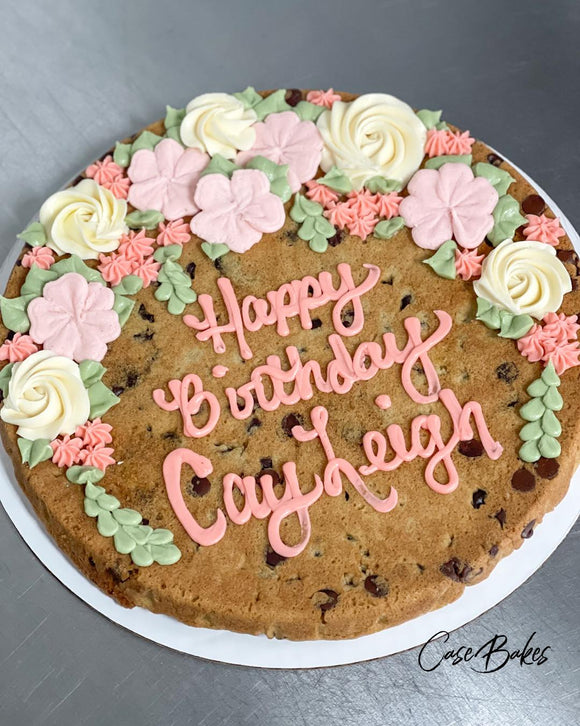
(74, 318)
(237, 211)
(165, 178)
(449, 203)
(285, 139)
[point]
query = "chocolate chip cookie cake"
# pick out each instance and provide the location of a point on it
(295, 363)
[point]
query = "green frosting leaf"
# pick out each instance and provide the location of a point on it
(552, 399)
(175, 287)
(173, 119)
(550, 424)
(498, 178)
(537, 388)
(303, 208)
(85, 475)
(146, 140)
(549, 375)
(170, 252)
(218, 164)
(123, 306)
(336, 180)
(122, 154)
(75, 264)
(388, 228)
(91, 371)
(213, 251)
(129, 285)
(540, 434)
(513, 326)
(274, 103)
(318, 243)
(5, 376)
(101, 399)
(34, 235)
(532, 431)
(437, 161)
(529, 451)
(532, 410)
(443, 261)
(549, 447)
(315, 228)
(488, 314)
(307, 111)
(35, 281)
(148, 219)
(384, 186)
(33, 452)
(250, 97)
(13, 311)
(430, 119)
(506, 218)
(277, 175)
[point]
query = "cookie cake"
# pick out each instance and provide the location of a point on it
(295, 363)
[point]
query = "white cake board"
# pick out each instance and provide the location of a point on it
(260, 651)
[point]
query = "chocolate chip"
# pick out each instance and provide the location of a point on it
(132, 379)
(149, 317)
(533, 204)
(523, 480)
(273, 559)
(488, 242)
(456, 570)
(507, 372)
(336, 238)
(218, 264)
(493, 551)
(470, 448)
(254, 424)
(10, 335)
(421, 568)
(547, 468)
(316, 323)
(266, 462)
(145, 521)
(190, 269)
(117, 390)
(501, 517)
(478, 498)
(569, 256)
(346, 496)
(289, 421)
(346, 317)
(172, 435)
(329, 603)
(199, 486)
(511, 404)
(407, 300)
(520, 232)
(494, 159)
(293, 96)
(273, 473)
(145, 336)
(92, 562)
(376, 586)
(528, 530)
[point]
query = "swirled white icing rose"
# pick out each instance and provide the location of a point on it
(219, 124)
(85, 220)
(46, 397)
(524, 278)
(374, 135)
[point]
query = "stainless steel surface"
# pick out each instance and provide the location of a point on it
(74, 76)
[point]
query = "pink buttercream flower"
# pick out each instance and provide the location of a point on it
(363, 203)
(388, 205)
(531, 345)
(114, 267)
(147, 270)
(436, 143)
(42, 257)
(340, 215)
(564, 357)
(237, 211)
(66, 451)
(320, 193)
(104, 171)
(323, 98)
(17, 349)
(459, 142)
(95, 433)
(119, 186)
(468, 264)
(543, 229)
(448, 202)
(285, 139)
(136, 245)
(173, 233)
(165, 178)
(561, 327)
(98, 456)
(74, 318)
(363, 225)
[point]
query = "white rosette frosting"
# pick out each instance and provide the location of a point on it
(524, 278)
(46, 397)
(85, 220)
(219, 124)
(374, 135)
